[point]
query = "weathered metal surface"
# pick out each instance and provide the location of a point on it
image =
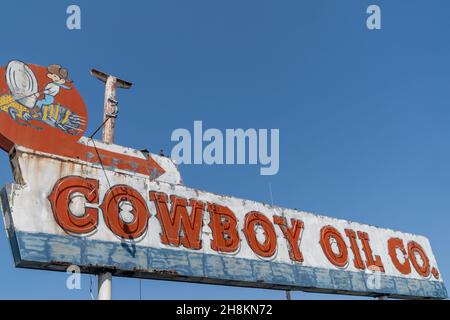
(222, 240)
(41, 109)
(110, 110)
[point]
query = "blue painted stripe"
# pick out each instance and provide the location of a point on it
(38, 250)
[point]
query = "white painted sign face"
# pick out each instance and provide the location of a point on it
(63, 211)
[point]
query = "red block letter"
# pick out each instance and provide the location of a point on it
(393, 245)
(370, 261)
(424, 269)
(268, 248)
(338, 259)
(223, 226)
(357, 261)
(111, 208)
(177, 219)
(292, 235)
(60, 199)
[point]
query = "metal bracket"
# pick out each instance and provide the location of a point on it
(115, 104)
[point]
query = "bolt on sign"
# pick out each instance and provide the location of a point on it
(76, 201)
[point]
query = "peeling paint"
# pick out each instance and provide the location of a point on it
(38, 241)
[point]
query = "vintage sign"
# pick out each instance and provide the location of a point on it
(66, 208)
(42, 110)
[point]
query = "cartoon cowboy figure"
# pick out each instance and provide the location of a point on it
(27, 107)
(59, 77)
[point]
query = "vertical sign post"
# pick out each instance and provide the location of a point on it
(109, 121)
(110, 110)
(104, 286)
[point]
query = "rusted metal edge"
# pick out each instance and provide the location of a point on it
(171, 275)
(17, 150)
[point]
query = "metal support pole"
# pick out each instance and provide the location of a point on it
(109, 120)
(288, 295)
(104, 286)
(110, 110)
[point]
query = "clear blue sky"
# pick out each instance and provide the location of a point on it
(364, 116)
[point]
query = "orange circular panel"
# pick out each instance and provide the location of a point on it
(39, 107)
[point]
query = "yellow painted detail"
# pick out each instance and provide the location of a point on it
(44, 117)
(49, 112)
(55, 117)
(66, 117)
(7, 101)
